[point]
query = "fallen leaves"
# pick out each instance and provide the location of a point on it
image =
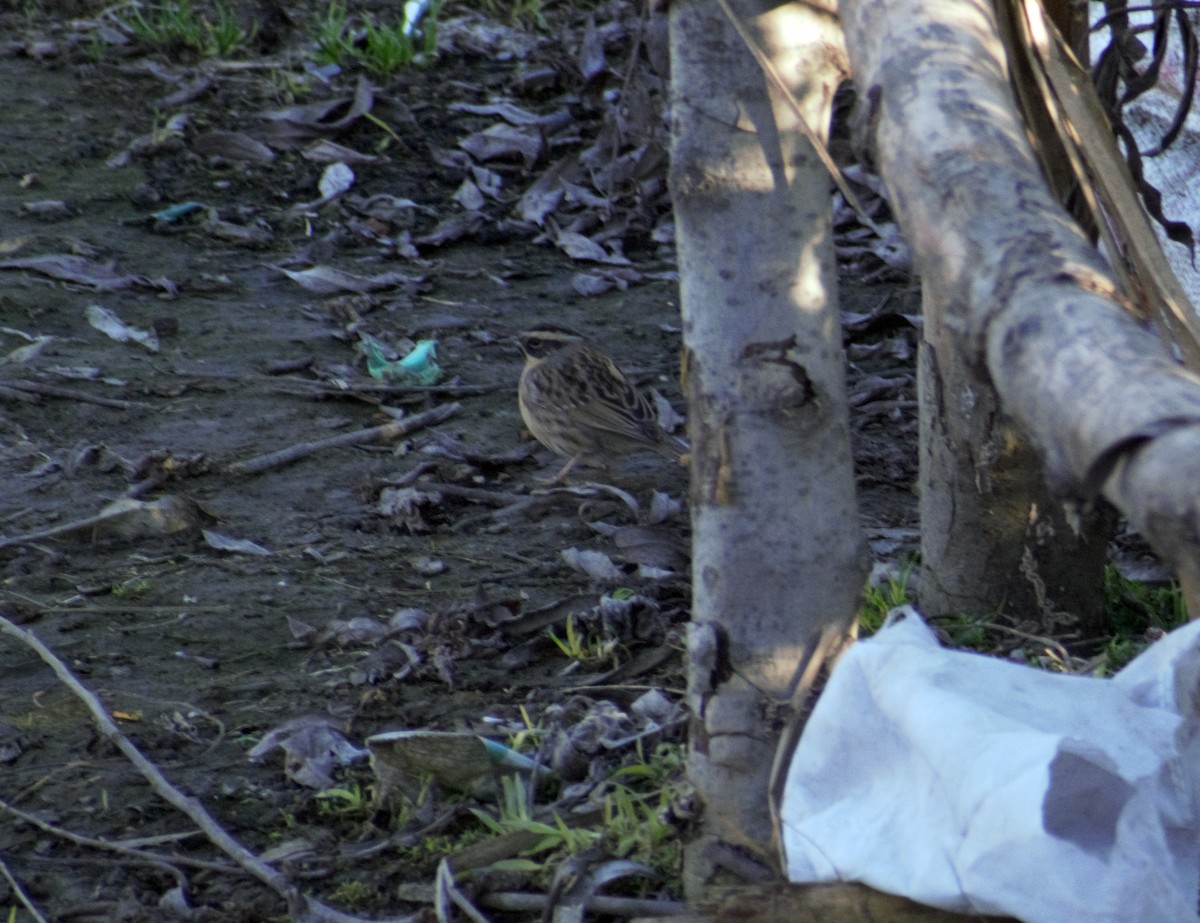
(353, 278)
(326, 280)
(112, 326)
(232, 145)
(103, 277)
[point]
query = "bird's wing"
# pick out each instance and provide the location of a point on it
(611, 403)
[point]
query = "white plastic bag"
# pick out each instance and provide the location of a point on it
(982, 786)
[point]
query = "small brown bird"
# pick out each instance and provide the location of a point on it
(579, 404)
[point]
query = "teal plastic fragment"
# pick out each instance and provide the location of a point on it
(501, 755)
(418, 367)
(175, 212)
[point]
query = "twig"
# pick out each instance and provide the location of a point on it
(528, 902)
(514, 510)
(79, 840)
(67, 528)
(24, 898)
(394, 390)
(302, 908)
(307, 387)
(446, 892)
(1049, 643)
(472, 494)
(397, 430)
(164, 789)
(412, 475)
(883, 408)
(203, 865)
(35, 387)
(130, 609)
(13, 394)
(169, 509)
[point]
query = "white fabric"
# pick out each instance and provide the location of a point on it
(983, 786)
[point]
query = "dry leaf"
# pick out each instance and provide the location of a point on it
(668, 419)
(590, 284)
(325, 280)
(100, 276)
(245, 235)
(406, 506)
(591, 61)
(27, 353)
(186, 93)
(662, 507)
(468, 196)
(313, 747)
(234, 545)
(356, 631)
(408, 619)
(579, 247)
(597, 283)
(512, 114)
(46, 210)
(504, 141)
(301, 631)
(112, 326)
(487, 38)
(652, 546)
(596, 564)
(328, 116)
(490, 182)
(324, 151)
(453, 228)
(232, 145)
(546, 192)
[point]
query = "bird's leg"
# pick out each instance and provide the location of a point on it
(562, 472)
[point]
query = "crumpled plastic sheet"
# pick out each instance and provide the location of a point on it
(984, 786)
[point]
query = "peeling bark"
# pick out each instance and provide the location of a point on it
(778, 556)
(1018, 287)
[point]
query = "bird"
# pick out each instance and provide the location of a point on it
(578, 403)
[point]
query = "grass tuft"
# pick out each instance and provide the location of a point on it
(176, 25)
(382, 48)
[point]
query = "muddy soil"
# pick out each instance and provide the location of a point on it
(384, 584)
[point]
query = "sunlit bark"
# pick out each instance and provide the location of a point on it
(778, 558)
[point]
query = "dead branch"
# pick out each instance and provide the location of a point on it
(158, 862)
(306, 387)
(301, 908)
(523, 902)
(130, 520)
(397, 430)
(38, 388)
(20, 894)
(472, 494)
(13, 394)
(1024, 293)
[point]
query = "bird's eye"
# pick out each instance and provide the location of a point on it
(534, 343)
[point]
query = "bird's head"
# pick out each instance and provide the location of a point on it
(543, 341)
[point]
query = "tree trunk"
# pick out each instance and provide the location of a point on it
(994, 538)
(778, 558)
(1021, 291)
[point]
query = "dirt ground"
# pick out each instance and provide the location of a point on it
(405, 583)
